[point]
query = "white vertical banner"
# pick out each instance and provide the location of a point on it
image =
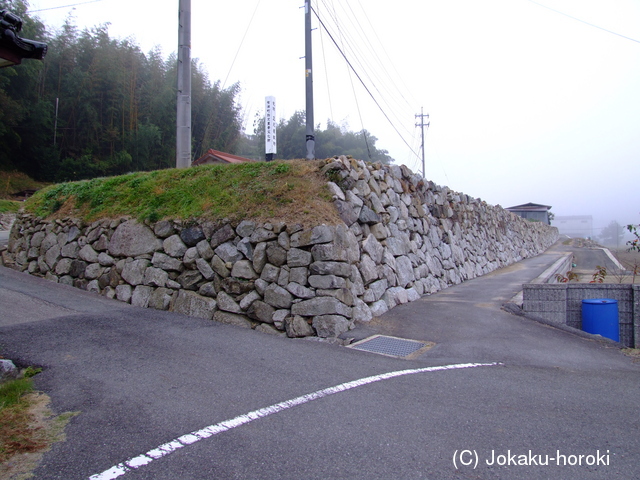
(271, 146)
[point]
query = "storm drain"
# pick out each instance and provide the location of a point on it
(392, 346)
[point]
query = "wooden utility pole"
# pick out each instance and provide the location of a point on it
(311, 139)
(183, 117)
(422, 116)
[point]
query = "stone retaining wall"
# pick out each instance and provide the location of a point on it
(401, 237)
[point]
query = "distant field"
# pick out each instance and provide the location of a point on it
(13, 182)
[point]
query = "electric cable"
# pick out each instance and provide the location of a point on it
(362, 82)
(326, 75)
(64, 6)
(586, 23)
(353, 88)
(240, 46)
(213, 111)
(354, 51)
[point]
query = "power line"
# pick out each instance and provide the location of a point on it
(326, 74)
(586, 23)
(361, 81)
(241, 43)
(64, 6)
(353, 88)
(369, 63)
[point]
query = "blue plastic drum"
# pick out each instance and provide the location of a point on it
(600, 317)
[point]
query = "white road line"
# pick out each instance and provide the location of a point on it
(193, 437)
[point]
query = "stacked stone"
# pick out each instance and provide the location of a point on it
(270, 277)
(402, 237)
(417, 238)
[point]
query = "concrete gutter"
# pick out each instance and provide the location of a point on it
(562, 265)
(613, 259)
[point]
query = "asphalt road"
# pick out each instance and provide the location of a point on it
(142, 379)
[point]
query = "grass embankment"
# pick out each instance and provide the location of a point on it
(9, 206)
(275, 191)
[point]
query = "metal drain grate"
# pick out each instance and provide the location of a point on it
(392, 346)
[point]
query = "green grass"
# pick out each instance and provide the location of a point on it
(12, 391)
(9, 206)
(27, 426)
(247, 190)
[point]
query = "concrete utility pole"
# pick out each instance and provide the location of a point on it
(183, 117)
(311, 139)
(421, 116)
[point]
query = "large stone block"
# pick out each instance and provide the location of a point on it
(167, 263)
(228, 252)
(328, 326)
(297, 327)
(155, 277)
(232, 319)
(160, 299)
(141, 296)
(300, 291)
(227, 303)
(194, 305)
(276, 255)
(319, 234)
(132, 239)
(298, 258)
(191, 236)
(404, 271)
(222, 235)
(88, 254)
(244, 269)
(51, 257)
(321, 306)
(174, 246)
(368, 269)
(277, 297)
(327, 281)
(133, 272)
(204, 268)
(339, 269)
(374, 248)
(261, 311)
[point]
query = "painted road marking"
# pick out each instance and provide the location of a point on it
(193, 437)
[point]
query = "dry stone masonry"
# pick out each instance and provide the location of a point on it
(401, 237)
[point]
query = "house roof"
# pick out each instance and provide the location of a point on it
(530, 207)
(215, 156)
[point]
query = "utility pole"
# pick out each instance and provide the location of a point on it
(422, 116)
(183, 116)
(311, 139)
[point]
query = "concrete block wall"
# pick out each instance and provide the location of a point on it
(562, 304)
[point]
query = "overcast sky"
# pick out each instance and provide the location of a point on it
(525, 103)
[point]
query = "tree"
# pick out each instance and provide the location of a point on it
(635, 243)
(333, 140)
(116, 106)
(612, 234)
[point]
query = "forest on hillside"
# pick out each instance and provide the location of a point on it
(99, 106)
